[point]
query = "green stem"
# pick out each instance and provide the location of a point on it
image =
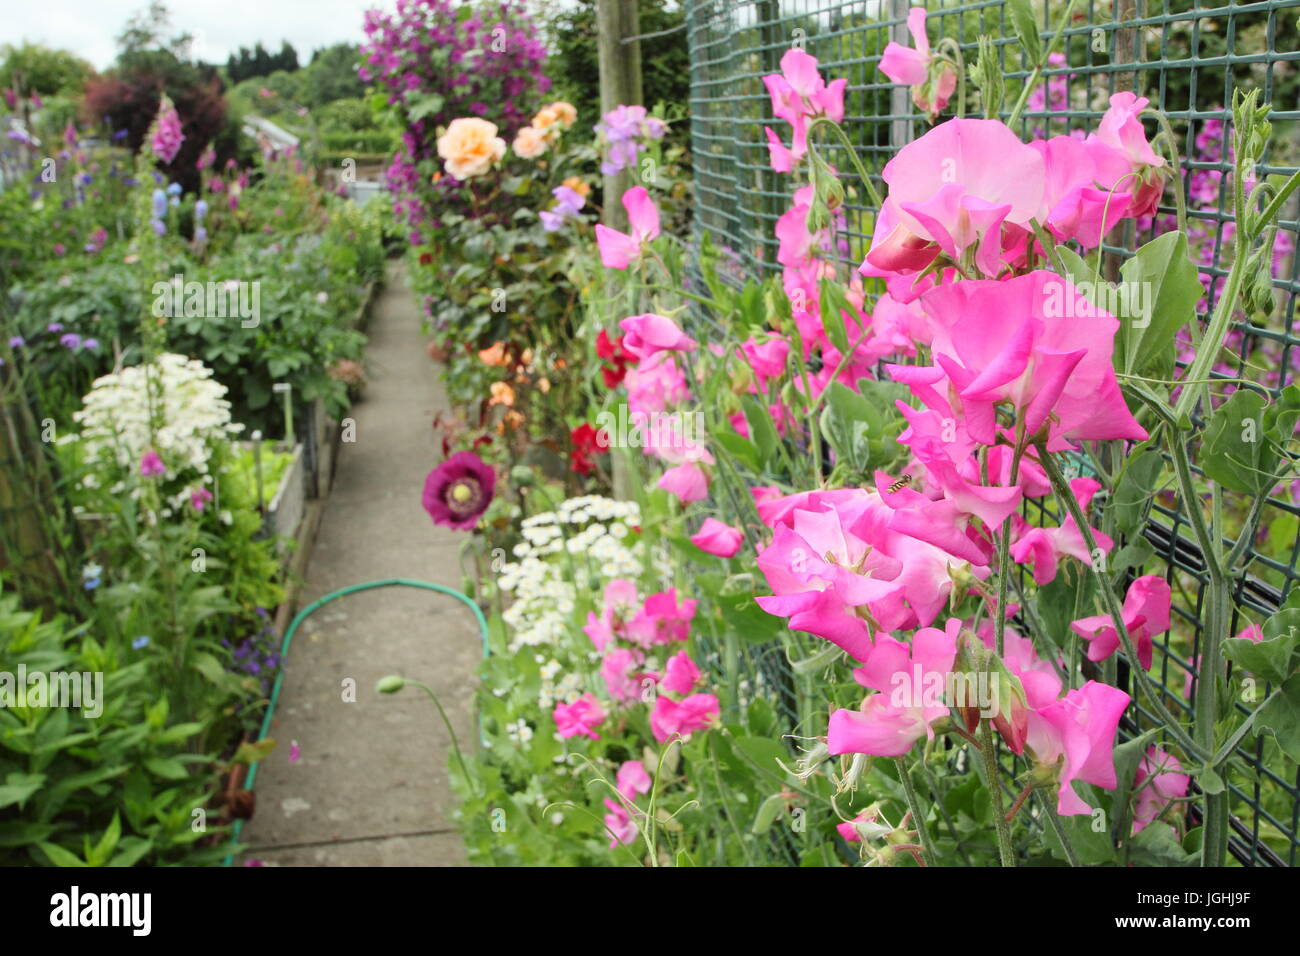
(1049, 811)
(1032, 82)
(1004, 560)
(918, 816)
(1006, 851)
(451, 733)
(853, 155)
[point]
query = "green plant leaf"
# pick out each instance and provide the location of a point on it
(1231, 453)
(1280, 717)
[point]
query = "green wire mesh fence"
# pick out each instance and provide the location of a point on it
(1187, 56)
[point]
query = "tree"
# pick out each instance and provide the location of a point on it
(332, 75)
(149, 63)
(32, 68)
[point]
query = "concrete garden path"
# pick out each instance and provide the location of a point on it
(370, 787)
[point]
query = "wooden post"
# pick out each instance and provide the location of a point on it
(620, 84)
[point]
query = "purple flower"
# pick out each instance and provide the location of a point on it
(151, 466)
(97, 240)
(200, 209)
(90, 344)
(141, 642)
(70, 340)
(159, 226)
(458, 491)
(54, 327)
(17, 342)
(295, 753)
(199, 497)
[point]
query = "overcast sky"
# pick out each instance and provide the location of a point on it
(89, 27)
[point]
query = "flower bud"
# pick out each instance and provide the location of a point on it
(390, 684)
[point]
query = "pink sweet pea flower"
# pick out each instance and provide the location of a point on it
(655, 389)
(151, 465)
(768, 359)
(1120, 148)
(1046, 546)
(199, 498)
(1080, 727)
(1020, 341)
(1146, 613)
(951, 190)
(687, 481)
(1073, 206)
(799, 94)
(581, 717)
(684, 717)
(619, 672)
(632, 779)
(1166, 785)
(621, 828)
(911, 682)
(718, 539)
(662, 620)
(914, 68)
(833, 552)
(620, 600)
(681, 675)
(652, 337)
(618, 249)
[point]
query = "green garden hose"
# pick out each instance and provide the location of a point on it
(303, 615)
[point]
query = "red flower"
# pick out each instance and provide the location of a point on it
(426, 258)
(587, 441)
(612, 351)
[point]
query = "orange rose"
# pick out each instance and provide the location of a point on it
(545, 119)
(566, 113)
(470, 147)
(530, 142)
(580, 187)
(495, 354)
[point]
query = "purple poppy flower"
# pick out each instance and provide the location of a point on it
(458, 491)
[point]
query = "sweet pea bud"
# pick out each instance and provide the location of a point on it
(988, 77)
(819, 216)
(390, 684)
